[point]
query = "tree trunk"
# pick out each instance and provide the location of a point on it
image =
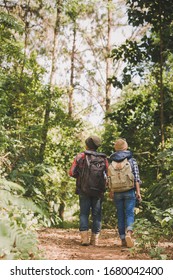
(161, 86)
(61, 210)
(52, 81)
(108, 60)
(70, 107)
(25, 44)
(45, 131)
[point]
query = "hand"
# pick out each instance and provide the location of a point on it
(111, 195)
(138, 196)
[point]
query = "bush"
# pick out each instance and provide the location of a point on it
(19, 219)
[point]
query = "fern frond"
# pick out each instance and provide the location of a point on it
(11, 186)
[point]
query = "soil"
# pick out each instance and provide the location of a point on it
(64, 244)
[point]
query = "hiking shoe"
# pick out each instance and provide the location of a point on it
(84, 238)
(123, 243)
(94, 239)
(129, 241)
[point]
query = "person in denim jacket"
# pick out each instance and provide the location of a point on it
(125, 201)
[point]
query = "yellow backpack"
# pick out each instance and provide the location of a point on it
(120, 175)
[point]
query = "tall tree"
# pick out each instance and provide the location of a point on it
(108, 59)
(74, 10)
(159, 15)
(153, 49)
(58, 8)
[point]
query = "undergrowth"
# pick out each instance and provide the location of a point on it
(19, 220)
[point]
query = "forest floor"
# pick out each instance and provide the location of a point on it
(64, 244)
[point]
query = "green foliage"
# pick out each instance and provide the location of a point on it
(24, 99)
(142, 12)
(109, 215)
(161, 218)
(167, 222)
(151, 50)
(21, 92)
(134, 115)
(18, 223)
(109, 136)
(163, 186)
(10, 49)
(136, 58)
(147, 237)
(48, 183)
(25, 95)
(149, 231)
(135, 118)
(75, 9)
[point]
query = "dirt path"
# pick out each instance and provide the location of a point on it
(63, 244)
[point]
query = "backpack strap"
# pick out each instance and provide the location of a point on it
(87, 160)
(94, 153)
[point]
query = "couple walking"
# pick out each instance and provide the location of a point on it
(92, 172)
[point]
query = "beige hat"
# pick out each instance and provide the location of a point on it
(120, 145)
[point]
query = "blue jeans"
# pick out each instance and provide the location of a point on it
(86, 203)
(125, 204)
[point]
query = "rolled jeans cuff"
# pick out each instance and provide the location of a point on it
(129, 228)
(122, 236)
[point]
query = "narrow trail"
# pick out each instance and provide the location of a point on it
(64, 244)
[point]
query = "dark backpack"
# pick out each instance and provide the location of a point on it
(93, 174)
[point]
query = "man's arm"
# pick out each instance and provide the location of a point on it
(73, 172)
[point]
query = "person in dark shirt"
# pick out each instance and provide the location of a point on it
(87, 202)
